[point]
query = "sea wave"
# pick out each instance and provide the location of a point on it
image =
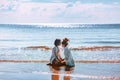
(90, 76)
(76, 61)
(94, 48)
(65, 25)
(68, 74)
(12, 40)
(105, 42)
(19, 40)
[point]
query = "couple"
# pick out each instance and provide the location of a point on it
(56, 60)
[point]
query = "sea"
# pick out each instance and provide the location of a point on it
(101, 43)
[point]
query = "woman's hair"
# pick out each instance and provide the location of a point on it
(65, 41)
(57, 42)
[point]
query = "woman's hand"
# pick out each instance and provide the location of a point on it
(62, 61)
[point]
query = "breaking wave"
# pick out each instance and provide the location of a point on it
(76, 61)
(94, 48)
(63, 25)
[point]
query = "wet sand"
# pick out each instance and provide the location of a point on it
(76, 61)
(40, 71)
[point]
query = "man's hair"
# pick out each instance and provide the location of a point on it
(57, 42)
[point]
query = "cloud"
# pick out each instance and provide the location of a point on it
(16, 11)
(92, 13)
(6, 5)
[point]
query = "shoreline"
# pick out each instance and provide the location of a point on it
(38, 71)
(76, 61)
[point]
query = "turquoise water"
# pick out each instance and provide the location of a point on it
(13, 38)
(79, 35)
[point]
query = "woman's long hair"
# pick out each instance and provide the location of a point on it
(65, 41)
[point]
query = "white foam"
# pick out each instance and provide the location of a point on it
(80, 75)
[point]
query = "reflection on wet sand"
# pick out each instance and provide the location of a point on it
(67, 77)
(54, 77)
(56, 74)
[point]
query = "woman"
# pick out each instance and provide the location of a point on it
(68, 56)
(56, 59)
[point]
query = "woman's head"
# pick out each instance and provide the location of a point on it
(57, 42)
(65, 42)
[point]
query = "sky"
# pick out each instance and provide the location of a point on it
(59, 11)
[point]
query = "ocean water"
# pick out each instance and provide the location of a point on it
(79, 35)
(13, 38)
(96, 61)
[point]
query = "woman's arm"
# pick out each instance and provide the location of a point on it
(58, 55)
(66, 53)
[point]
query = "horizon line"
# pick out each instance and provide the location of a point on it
(52, 23)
